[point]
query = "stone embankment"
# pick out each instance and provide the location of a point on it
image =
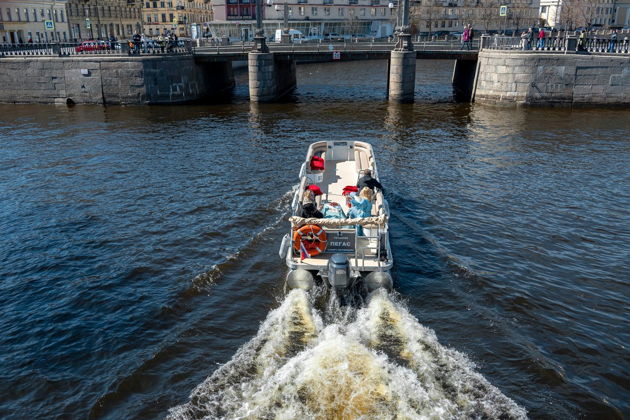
(113, 80)
(540, 78)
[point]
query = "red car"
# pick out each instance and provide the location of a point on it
(91, 46)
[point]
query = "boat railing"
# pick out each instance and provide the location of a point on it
(361, 246)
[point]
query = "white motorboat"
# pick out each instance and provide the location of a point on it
(344, 252)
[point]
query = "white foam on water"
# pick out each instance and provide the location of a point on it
(374, 362)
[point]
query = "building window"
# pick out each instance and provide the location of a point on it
(314, 11)
(9, 18)
(383, 11)
(147, 5)
(327, 11)
(362, 11)
(148, 18)
(162, 4)
(163, 17)
(301, 10)
(171, 17)
(373, 11)
(340, 11)
(63, 19)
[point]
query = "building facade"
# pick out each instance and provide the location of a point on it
(313, 18)
(622, 14)
(102, 19)
(33, 21)
(590, 14)
(431, 16)
(187, 18)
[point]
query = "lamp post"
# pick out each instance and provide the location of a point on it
(285, 39)
(260, 43)
(403, 30)
(391, 7)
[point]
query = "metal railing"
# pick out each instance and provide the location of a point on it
(324, 46)
(117, 48)
(564, 44)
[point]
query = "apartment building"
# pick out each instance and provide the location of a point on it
(431, 16)
(185, 17)
(314, 18)
(101, 19)
(621, 12)
(33, 20)
(571, 14)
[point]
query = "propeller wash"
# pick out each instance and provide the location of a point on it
(376, 362)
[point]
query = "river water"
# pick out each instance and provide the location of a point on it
(140, 277)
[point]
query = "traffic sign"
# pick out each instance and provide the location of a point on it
(336, 55)
(49, 25)
(503, 11)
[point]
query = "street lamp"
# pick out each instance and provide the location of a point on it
(403, 30)
(260, 44)
(391, 7)
(285, 39)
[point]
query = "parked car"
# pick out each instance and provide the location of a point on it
(333, 37)
(91, 45)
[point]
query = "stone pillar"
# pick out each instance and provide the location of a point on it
(262, 77)
(270, 77)
(402, 76)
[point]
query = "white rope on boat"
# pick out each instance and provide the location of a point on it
(363, 221)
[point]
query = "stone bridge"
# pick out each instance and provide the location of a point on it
(272, 74)
(502, 73)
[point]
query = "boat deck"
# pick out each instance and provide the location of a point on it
(337, 175)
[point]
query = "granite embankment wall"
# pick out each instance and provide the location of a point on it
(110, 80)
(537, 78)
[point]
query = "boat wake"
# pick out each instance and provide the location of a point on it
(374, 362)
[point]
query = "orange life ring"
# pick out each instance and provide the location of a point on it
(312, 237)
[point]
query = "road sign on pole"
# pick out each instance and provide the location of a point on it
(503, 11)
(49, 25)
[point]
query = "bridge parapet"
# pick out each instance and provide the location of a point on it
(562, 43)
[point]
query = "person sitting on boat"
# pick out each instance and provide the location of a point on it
(361, 206)
(309, 206)
(333, 210)
(367, 181)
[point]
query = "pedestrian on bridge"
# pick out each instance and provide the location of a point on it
(541, 38)
(613, 41)
(465, 37)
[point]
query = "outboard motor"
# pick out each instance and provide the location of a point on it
(339, 271)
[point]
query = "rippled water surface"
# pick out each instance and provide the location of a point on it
(139, 274)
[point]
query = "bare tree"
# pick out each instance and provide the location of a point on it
(487, 13)
(427, 12)
(577, 13)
